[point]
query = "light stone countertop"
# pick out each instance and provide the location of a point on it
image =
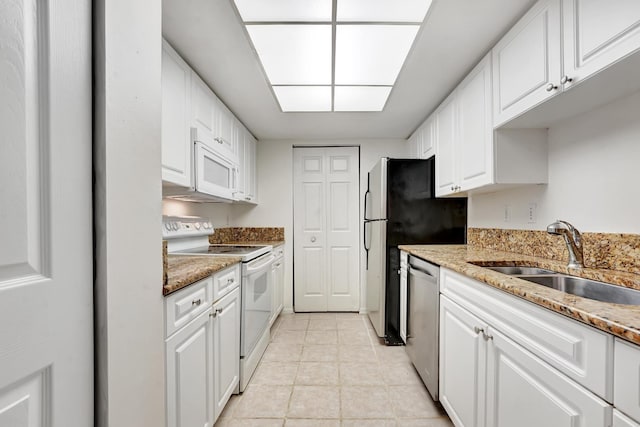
(620, 320)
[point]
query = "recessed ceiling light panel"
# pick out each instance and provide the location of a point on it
(382, 10)
(294, 54)
(284, 10)
(360, 98)
(371, 54)
(303, 98)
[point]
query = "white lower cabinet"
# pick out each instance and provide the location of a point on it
(524, 391)
(226, 349)
(203, 356)
(626, 391)
(462, 361)
(489, 379)
(189, 366)
(404, 301)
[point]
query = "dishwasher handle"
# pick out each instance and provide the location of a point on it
(420, 272)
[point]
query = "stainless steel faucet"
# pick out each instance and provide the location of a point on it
(572, 238)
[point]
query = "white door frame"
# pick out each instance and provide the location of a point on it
(351, 301)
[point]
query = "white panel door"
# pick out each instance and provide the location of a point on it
(326, 232)
(522, 390)
(46, 283)
(597, 34)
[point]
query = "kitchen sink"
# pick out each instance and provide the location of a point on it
(521, 270)
(586, 288)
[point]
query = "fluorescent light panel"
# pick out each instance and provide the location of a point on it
(294, 54)
(371, 54)
(382, 10)
(303, 98)
(360, 98)
(297, 57)
(284, 10)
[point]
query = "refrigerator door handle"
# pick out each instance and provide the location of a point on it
(366, 198)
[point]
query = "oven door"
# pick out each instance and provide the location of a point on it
(214, 174)
(256, 301)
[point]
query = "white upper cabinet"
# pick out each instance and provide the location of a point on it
(445, 135)
(427, 148)
(202, 110)
(526, 62)
(558, 45)
(597, 34)
(474, 153)
(238, 139)
(176, 111)
(250, 170)
(413, 145)
(224, 142)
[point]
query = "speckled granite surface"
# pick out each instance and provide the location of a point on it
(617, 319)
(183, 270)
(612, 251)
(247, 234)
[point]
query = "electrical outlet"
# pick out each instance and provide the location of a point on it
(507, 213)
(532, 213)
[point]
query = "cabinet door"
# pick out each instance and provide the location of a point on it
(279, 285)
(189, 373)
(626, 378)
(202, 109)
(474, 152)
(462, 362)
(250, 168)
(597, 34)
(224, 121)
(621, 420)
(413, 146)
(403, 304)
(226, 349)
(524, 391)
(526, 62)
(177, 150)
(445, 132)
(427, 148)
(239, 141)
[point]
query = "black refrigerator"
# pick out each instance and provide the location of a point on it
(401, 208)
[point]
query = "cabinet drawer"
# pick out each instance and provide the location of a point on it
(626, 394)
(579, 351)
(278, 251)
(186, 304)
(226, 281)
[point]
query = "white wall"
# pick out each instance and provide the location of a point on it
(275, 193)
(594, 174)
(128, 286)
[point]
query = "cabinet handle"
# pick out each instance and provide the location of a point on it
(230, 281)
(478, 330)
(218, 140)
(216, 312)
(453, 188)
(551, 87)
(486, 336)
(566, 79)
(196, 301)
(247, 198)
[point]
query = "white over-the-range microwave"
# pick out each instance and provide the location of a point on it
(215, 178)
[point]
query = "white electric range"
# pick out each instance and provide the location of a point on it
(190, 236)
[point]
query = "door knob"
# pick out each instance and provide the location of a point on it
(313, 239)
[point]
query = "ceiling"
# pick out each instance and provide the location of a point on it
(456, 34)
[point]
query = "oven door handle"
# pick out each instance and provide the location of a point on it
(252, 268)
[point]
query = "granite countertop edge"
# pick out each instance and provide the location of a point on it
(185, 270)
(620, 320)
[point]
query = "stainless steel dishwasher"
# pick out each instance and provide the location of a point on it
(423, 321)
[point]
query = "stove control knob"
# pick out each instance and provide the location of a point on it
(175, 226)
(167, 226)
(197, 225)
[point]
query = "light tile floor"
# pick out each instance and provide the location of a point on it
(330, 369)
